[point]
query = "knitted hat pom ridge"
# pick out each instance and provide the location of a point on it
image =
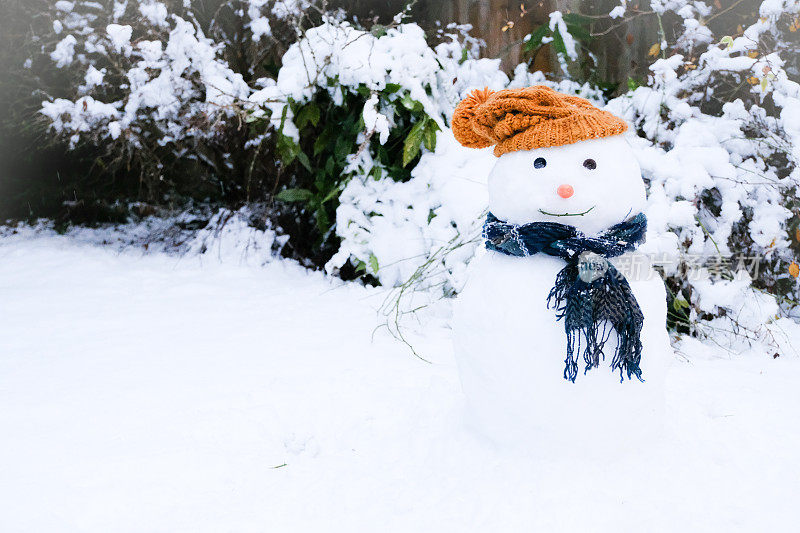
(465, 117)
(529, 118)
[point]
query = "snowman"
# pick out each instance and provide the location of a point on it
(560, 332)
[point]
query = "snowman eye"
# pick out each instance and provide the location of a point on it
(540, 162)
(590, 164)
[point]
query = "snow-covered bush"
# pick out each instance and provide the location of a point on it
(568, 35)
(356, 109)
(152, 83)
(146, 81)
(175, 84)
(717, 125)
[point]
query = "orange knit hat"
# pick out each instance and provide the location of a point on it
(524, 119)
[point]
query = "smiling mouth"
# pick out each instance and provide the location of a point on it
(542, 211)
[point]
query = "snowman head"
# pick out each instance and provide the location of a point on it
(560, 159)
(591, 185)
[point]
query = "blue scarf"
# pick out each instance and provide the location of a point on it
(589, 292)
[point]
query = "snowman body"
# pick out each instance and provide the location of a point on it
(509, 345)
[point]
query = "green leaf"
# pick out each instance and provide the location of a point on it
(319, 180)
(412, 142)
(410, 151)
(284, 112)
(287, 149)
(309, 114)
(679, 303)
(323, 221)
(322, 141)
(383, 154)
(333, 193)
(727, 41)
(303, 158)
(429, 139)
(378, 30)
(579, 32)
(558, 43)
(578, 26)
(341, 149)
(536, 37)
(576, 19)
(429, 135)
(392, 88)
(410, 104)
(294, 195)
(373, 263)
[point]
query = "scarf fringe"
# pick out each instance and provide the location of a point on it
(588, 309)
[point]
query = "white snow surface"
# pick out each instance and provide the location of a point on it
(64, 51)
(120, 35)
(145, 392)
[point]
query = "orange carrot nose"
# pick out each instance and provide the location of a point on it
(565, 191)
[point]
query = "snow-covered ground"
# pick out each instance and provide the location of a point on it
(144, 393)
